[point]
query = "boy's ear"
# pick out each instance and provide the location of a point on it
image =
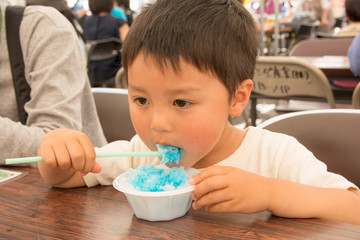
(241, 98)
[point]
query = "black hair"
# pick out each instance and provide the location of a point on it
(126, 3)
(97, 6)
(218, 36)
(352, 8)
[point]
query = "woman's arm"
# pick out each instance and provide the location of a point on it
(123, 30)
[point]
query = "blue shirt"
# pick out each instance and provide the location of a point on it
(119, 13)
(354, 55)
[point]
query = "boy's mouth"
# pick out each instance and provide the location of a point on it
(170, 154)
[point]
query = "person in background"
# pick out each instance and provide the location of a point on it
(55, 71)
(101, 25)
(321, 10)
(354, 55)
(269, 7)
(62, 7)
(184, 82)
(119, 12)
(352, 15)
(125, 6)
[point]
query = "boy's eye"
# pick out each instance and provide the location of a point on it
(141, 101)
(181, 103)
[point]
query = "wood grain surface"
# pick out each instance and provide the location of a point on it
(31, 209)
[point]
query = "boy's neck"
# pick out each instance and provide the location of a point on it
(229, 142)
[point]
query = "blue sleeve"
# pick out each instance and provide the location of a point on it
(354, 55)
(119, 13)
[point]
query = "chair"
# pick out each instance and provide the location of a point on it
(322, 47)
(289, 78)
(333, 135)
(120, 79)
(337, 46)
(113, 109)
(356, 97)
(302, 32)
(98, 50)
(103, 61)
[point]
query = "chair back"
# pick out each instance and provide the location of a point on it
(322, 47)
(120, 79)
(333, 135)
(356, 97)
(98, 50)
(286, 78)
(305, 31)
(113, 110)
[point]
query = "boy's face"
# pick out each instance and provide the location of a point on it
(188, 110)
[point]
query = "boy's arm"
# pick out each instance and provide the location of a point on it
(68, 155)
(227, 189)
(291, 199)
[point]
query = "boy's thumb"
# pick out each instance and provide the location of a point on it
(97, 168)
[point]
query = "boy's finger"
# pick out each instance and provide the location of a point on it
(96, 169)
(225, 206)
(62, 156)
(47, 153)
(76, 153)
(210, 184)
(208, 172)
(89, 153)
(211, 198)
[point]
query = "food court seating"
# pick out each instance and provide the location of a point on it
(326, 47)
(101, 50)
(302, 32)
(113, 110)
(322, 47)
(289, 78)
(333, 135)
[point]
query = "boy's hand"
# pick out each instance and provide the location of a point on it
(228, 189)
(68, 149)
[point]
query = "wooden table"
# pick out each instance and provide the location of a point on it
(332, 66)
(336, 68)
(31, 209)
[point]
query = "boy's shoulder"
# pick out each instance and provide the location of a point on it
(263, 151)
(263, 142)
(263, 135)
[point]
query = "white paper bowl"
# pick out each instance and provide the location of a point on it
(157, 206)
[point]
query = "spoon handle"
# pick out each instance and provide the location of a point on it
(98, 155)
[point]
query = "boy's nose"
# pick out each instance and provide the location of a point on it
(160, 121)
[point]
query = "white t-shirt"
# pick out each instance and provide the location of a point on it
(263, 152)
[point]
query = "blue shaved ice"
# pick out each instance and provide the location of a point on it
(152, 179)
(170, 154)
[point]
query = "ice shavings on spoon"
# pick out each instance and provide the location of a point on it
(170, 154)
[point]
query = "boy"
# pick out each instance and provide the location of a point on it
(189, 65)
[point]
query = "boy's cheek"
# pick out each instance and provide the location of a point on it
(139, 125)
